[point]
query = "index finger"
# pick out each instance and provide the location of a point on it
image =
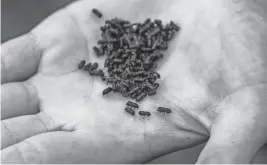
(19, 58)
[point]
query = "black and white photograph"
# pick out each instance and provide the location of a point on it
(133, 81)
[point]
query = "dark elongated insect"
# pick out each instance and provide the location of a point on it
(174, 26)
(134, 46)
(136, 41)
(144, 113)
(149, 42)
(170, 35)
(110, 47)
(97, 51)
(108, 51)
(140, 97)
(114, 32)
(155, 57)
(155, 44)
(149, 85)
(107, 90)
(142, 73)
(97, 13)
(87, 67)
(103, 29)
(93, 72)
(94, 66)
(147, 66)
(124, 75)
(152, 80)
(158, 23)
(101, 42)
(164, 110)
(107, 62)
(156, 85)
(130, 110)
(127, 39)
(117, 61)
(121, 21)
(132, 104)
(117, 78)
(164, 46)
(134, 95)
(121, 42)
(147, 20)
(113, 55)
(103, 78)
(124, 83)
(134, 90)
(133, 58)
(154, 67)
(152, 92)
(139, 79)
(146, 26)
(81, 64)
(166, 27)
(155, 75)
(117, 70)
(125, 94)
(101, 72)
(102, 50)
(140, 90)
(115, 24)
(115, 87)
(123, 89)
(144, 49)
(154, 32)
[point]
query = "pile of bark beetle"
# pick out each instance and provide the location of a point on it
(132, 51)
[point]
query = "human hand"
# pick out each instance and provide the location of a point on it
(77, 125)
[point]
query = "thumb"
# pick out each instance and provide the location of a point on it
(230, 147)
(236, 134)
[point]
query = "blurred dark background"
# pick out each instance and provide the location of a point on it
(19, 16)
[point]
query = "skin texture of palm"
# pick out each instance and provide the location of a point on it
(212, 79)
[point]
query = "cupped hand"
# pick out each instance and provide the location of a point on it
(212, 77)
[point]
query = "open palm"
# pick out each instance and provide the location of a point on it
(212, 77)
